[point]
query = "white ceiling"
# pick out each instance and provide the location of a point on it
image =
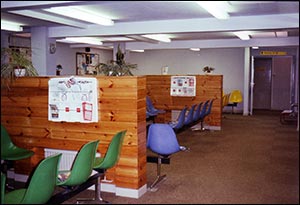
(185, 22)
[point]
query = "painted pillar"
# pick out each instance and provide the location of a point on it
(42, 59)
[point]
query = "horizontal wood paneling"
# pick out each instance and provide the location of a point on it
(121, 106)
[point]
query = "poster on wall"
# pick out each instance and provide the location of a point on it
(73, 99)
(183, 86)
(86, 63)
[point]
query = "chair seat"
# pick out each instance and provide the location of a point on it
(15, 197)
(173, 124)
(17, 154)
(63, 176)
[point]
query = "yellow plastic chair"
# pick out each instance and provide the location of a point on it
(235, 98)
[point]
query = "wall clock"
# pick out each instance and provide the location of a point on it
(52, 48)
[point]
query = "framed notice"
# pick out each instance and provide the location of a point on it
(86, 63)
(73, 99)
(183, 86)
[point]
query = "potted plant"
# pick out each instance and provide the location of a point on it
(15, 64)
(116, 68)
(208, 69)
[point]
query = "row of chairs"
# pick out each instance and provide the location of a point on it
(46, 175)
(189, 117)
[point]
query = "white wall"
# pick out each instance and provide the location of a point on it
(66, 56)
(228, 62)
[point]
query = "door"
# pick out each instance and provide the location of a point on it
(281, 83)
(262, 83)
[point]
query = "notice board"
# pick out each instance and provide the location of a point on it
(73, 99)
(183, 86)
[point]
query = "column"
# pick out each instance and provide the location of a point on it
(42, 59)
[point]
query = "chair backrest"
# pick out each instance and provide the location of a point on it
(82, 166)
(113, 152)
(197, 112)
(162, 139)
(208, 111)
(150, 106)
(9, 151)
(180, 119)
(203, 110)
(43, 181)
(6, 143)
(235, 96)
(190, 115)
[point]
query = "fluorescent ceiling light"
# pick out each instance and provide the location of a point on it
(243, 35)
(116, 39)
(255, 47)
(10, 26)
(88, 40)
(139, 51)
(215, 8)
(281, 34)
(81, 14)
(263, 35)
(159, 37)
(195, 49)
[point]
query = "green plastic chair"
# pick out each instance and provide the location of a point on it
(3, 180)
(41, 186)
(9, 151)
(110, 159)
(82, 166)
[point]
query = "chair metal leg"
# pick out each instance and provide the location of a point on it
(159, 177)
(5, 167)
(97, 198)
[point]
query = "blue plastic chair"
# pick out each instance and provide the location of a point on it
(179, 123)
(190, 115)
(206, 112)
(197, 112)
(162, 140)
(151, 109)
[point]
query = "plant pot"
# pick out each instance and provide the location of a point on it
(20, 72)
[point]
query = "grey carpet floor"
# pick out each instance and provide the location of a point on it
(252, 160)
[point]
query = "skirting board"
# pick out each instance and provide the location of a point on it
(206, 127)
(105, 187)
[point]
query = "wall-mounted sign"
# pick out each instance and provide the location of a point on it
(73, 99)
(183, 86)
(86, 63)
(273, 53)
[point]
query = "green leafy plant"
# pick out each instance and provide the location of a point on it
(116, 68)
(12, 59)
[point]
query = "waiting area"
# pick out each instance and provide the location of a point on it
(260, 166)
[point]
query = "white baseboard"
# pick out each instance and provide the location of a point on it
(125, 192)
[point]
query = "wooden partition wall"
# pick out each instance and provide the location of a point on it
(121, 106)
(207, 87)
